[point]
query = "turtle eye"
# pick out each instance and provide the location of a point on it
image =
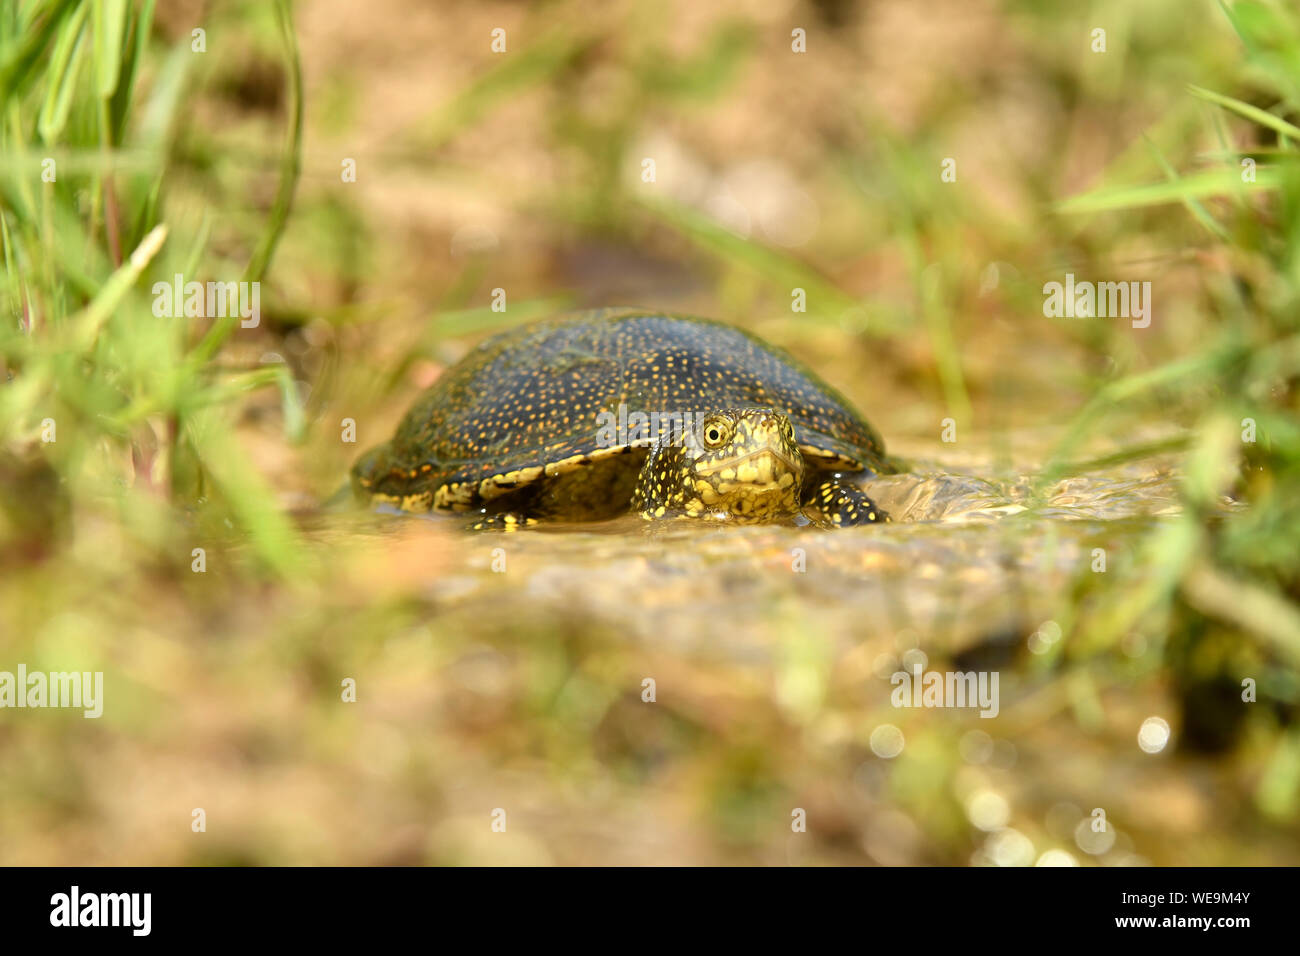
(714, 434)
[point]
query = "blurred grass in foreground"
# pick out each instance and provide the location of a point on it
(1219, 578)
(128, 399)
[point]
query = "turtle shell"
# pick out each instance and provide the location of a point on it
(528, 404)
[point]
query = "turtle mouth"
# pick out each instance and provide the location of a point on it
(770, 455)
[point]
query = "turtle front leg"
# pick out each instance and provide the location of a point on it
(833, 502)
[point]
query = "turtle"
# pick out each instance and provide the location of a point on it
(590, 415)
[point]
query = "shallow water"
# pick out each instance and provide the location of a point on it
(965, 556)
(508, 670)
(741, 623)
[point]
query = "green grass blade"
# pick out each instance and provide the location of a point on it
(1194, 206)
(1253, 113)
(109, 21)
(65, 66)
(1216, 182)
(87, 324)
(17, 69)
(291, 163)
(137, 40)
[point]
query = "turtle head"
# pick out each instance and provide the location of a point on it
(740, 463)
